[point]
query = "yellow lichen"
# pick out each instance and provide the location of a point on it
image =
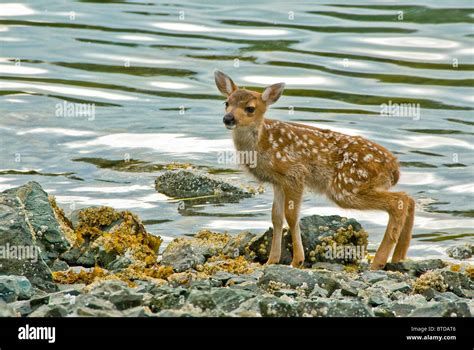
(430, 279)
(455, 267)
(83, 276)
(469, 271)
(237, 266)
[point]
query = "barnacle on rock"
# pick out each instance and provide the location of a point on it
(430, 279)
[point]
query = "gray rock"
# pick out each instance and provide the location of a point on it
(229, 299)
(313, 230)
(59, 265)
(49, 311)
(442, 309)
(328, 266)
(334, 308)
(457, 282)
(415, 268)
(276, 307)
(201, 300)
(374, 296)
(373, 276)
(31, 203)
(283, 276)
(461, 252)
(119, 263)
(30, 237)
(6, 310)
(138, 311)
(187, 184)
(183, 258)
(13, 288)
(393, 286)
(118, 293)
(166, 297)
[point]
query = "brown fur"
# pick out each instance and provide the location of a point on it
(350, 170)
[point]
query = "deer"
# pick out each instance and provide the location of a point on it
(351, 171)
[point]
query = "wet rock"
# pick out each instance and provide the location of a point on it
(415, 268)
(185, 184)
(13, 288)
(461, 252)
(166, 297)
(332, 239)
(276, 307)
(281, 276)
(325, 307)
(442, 309)
(404, 306)
(118, 293)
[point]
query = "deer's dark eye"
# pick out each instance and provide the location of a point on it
(226, 104)
(249, 109)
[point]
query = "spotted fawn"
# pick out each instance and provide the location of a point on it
(350, 170)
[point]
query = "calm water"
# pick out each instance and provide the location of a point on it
(147, 68)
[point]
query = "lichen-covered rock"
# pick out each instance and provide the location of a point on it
(430, 280)
(460, 252)
(237, 245)
(457, 282)
(325, 238)
(103, 236)
(183, 258)
(186, 184)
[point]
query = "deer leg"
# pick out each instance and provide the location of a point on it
(293, 197)
(278, 212)
(397, 205)
(397, 208)
(403, 243)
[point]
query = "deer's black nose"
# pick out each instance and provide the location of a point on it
(229, 119)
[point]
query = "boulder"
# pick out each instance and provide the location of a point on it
(461, 252)
(442, 309)
(415, 267)
(30, 236)
(331, 239)
(277, 277)
(186, 184)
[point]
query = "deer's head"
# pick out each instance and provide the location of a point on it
(244, 108)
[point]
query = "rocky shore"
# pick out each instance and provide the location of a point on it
(103, 262)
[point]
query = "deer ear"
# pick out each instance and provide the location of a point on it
(272, 93)
(224, 83)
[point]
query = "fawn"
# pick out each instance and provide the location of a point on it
(350, 170)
